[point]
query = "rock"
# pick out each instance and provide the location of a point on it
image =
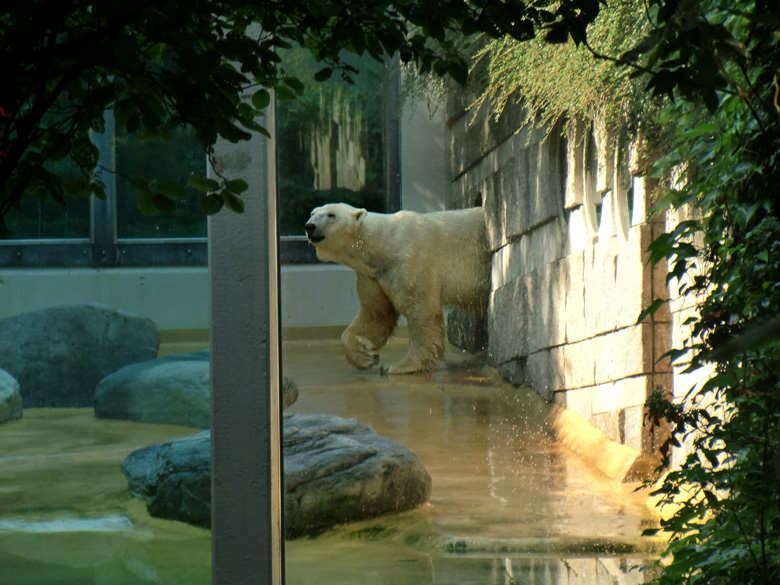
(289, 392)
(10, 399)
(174, 478)
(173, 390)
(336, 470)
(170, 390)
(59, 354)
(339, 470)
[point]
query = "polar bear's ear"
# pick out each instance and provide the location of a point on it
(360, 215)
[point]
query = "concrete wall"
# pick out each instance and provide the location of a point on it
(569, 275)
(177, 298)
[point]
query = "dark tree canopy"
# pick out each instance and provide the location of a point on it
(204, 63)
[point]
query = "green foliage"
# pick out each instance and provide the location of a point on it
(719, 60)
(317, 131)
(206, 64)
(565, 80)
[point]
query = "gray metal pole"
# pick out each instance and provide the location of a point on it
(245, 419)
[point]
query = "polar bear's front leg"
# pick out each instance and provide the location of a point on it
(426, 344)
(371, 327)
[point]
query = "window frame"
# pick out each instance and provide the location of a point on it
(104, 249)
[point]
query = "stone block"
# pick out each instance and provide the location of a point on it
(662, 342)
(579, 363)
(634, 427)
(513, 371)
(475, 136)
(495, 212)
(615, 281)
(508, 322)
(508, 263)
(624, 353)
(631, 280)
(663, 382)
(573, 268)
(620, 394)
(543, 372)
(578, 401)
(609, 423)
(516, 183)
(548, 197)
(608, 226)
(546, 307)
(546, 243)
(458, 193)
(599, 270)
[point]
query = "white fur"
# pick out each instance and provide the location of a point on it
(406, 263)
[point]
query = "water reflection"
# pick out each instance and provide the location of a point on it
(509, 505)
(66, 515)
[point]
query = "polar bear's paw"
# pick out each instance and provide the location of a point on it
(407, 366)
(361, 353)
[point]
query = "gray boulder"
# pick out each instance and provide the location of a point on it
(336, 470)
(174, 478)
(59, 354)
(339, 470)
(172, 390)
(167, 390)
(10, 399)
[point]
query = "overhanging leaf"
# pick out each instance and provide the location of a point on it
(211, 204)
(651, 310)
(172, 189)
(203, 183)
(232, 201)
(261, 99)
(237, 186)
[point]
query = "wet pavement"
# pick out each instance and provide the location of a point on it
(509, 504)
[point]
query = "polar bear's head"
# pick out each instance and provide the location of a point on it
(333, 229)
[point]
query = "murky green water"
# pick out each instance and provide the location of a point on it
(508, 505)
(59, 467)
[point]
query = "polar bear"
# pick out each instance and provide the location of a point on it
(409, 264)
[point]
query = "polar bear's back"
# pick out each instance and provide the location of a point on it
(451, 248)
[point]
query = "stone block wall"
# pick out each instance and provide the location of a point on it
(567, 227)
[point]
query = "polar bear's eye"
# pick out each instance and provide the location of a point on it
(332, 215)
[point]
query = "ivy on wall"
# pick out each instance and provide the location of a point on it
(566, 81)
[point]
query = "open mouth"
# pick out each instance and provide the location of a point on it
(315, 238)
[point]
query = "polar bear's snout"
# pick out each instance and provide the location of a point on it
(314, 235)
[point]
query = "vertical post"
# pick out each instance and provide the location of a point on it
(245, 425)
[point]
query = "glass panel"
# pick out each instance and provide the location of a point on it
(464, 470)
(330, 141)
(46, 219)
(83, 387)
(157, 161)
